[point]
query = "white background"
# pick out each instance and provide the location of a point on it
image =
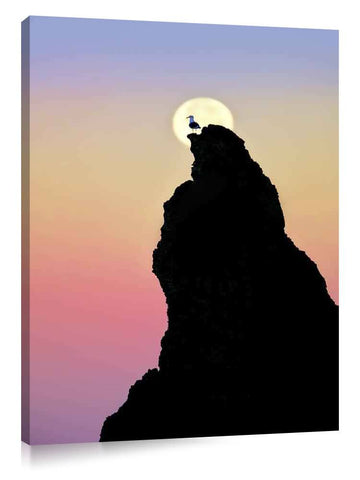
(297, 456)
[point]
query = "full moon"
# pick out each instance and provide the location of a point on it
(205, 111)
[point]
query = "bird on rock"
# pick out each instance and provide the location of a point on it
(192, 124)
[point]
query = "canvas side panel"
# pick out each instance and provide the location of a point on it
(25, 229)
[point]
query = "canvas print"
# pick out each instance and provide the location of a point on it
(180, 230)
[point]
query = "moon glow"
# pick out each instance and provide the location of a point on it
(205, 110)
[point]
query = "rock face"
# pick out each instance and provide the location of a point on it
(252, 339)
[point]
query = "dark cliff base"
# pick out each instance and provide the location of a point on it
(252, 339)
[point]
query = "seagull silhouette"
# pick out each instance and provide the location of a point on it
(192, 124)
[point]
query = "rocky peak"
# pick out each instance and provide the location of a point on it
(252, 338)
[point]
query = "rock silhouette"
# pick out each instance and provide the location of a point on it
(252, 338)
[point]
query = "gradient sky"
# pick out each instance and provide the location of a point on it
(103, 161)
